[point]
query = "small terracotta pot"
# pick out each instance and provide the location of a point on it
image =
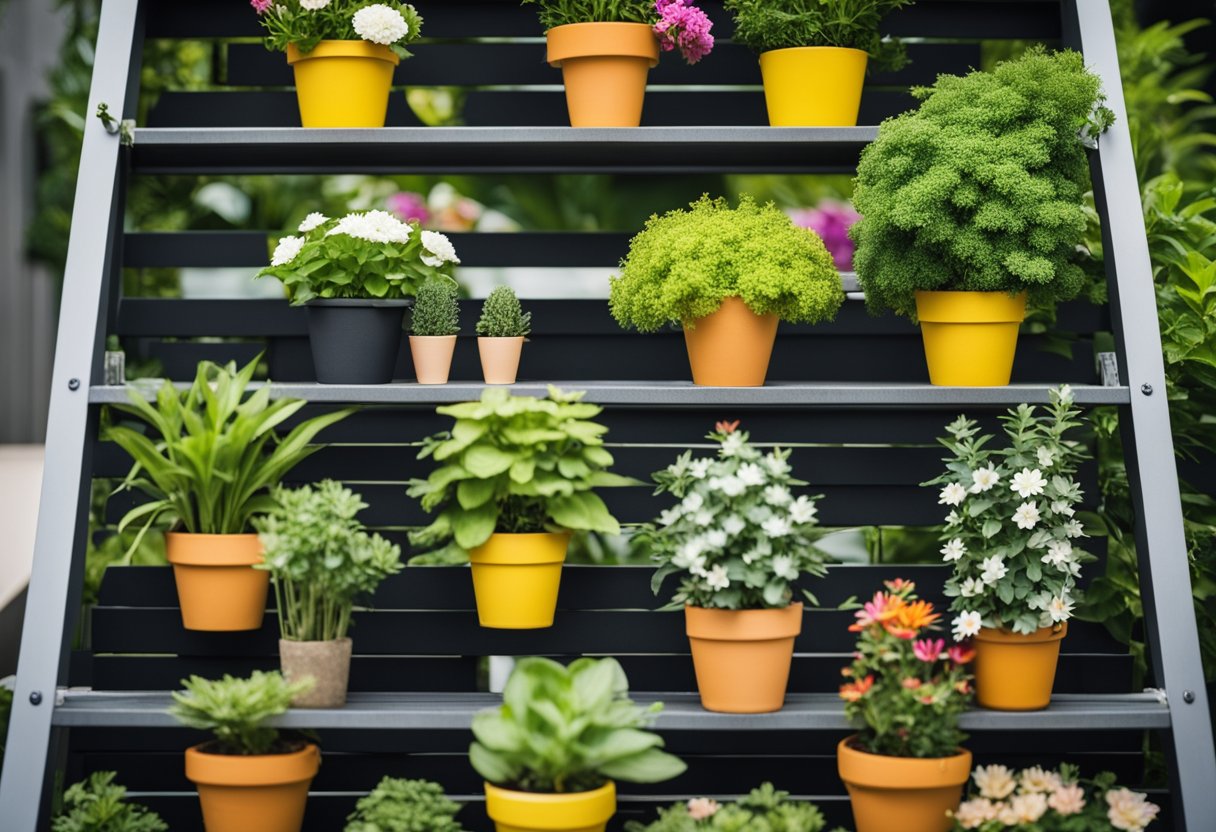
(514, 811)
(432, 356)
(267, 792)
(731, 347)
(604, 67)
(1016, 672)
(516, 578)
(742, 657)
(970, 337)
(500, 358)
(899, 794)
(326, 662)
(217, 586)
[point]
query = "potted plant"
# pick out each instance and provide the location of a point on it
(208, 473)
(975, 203)
(434, 325)
(764, 809)
(813, 55)
(356, 276)
(727, 275)
(606, 48)
(248, 777)
(739, 539)
(98, 804)
(321, 559)
(1051, 801)
(904, 769)
(551, 751)
(514, 477)
(343, 52)
(397, 805)
(501, 333)
(1012, 539)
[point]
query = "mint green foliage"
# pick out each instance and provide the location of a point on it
(569, 729)
(436, 310)
(764, 25)
(288, 22)
(682, 266)
(982, 188)
(502, 316)
(234, 710)
(765, 809)
(321, 558)
(516, 464)
(217, 453)
(98, 804)
(562, 12)
(397, 805)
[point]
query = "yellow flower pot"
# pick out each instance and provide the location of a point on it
(1014, 671)
(531, 812)
(516, 578)
(813, 86)
(970, 337)
(343, 83)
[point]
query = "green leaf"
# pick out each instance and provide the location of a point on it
(486, 461)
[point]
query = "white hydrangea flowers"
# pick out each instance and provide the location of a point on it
(314, 5)
(439, 249)
(286, 251)
(374, 227)
(380, 24)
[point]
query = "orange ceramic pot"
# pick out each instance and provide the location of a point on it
(266, 792)
(432, 356)
(731, 347)
(217, 586)
(604, 66)
(500, 358)
(742, 657)
(1015, 672)
(900, 794)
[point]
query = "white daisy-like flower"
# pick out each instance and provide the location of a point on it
(314, 5)
(983, 479)
(1047, 457)
(703, 517)
(286, 250)
(693, 502)
(732, 444)
(759, 514)
(670, 516)
(733, 524)
(687, 554)
(1060, 609)
(783, 567)
(1059, 554)
(380, 24)
(952, 495)
(776, 466)
(699, 468)
(953, 550)
(730, 486)
(440, 248)
(1028, 483)
(717, 578)
(373, 227)
(1036, 779)
(697, 566)
(970, 588)
(1129, 811)
(1062, 508)
(803, 511)
(313, 221)
(1073, 528)
(953, 518)
(715, 539)
(776, 527)
(1029, 807)
(751, 475)
(776, 495)
(995, 782)
(1026, 516)
(966, 624)
(993, 569)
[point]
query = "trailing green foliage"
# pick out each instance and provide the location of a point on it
(569, 729)
(234, 710)
(397, 805)
(764, 809)
(516, 464)
(98, 804)
(685, 263)
(292, 22)
(321, 559)
(562, 12)
(981, 188)
(215, 453)
(502, 316)
(764, 25)
(436, 310)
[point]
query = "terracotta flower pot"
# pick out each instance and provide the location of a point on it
(534, 812)
(604, 66)
(326, 662)
(970, 337)
(899, 794)
(813, 86)
(731, 347)
(343, 83)
(432, 356)
(266, 792)
(742, 657)
(217, 586)
(516, 578)
(1015, 672)
(500, 358)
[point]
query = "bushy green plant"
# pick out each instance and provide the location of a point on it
(516, 464)
(387, 22)
(764, 809)
(502, 316)
(981, 188)
(436, 310)
(685, 263)
(321, 559)
(568, 729)
(235, 709)
(563, 12)
(764, 25)
(216, 454)
(397, 805)
(98, 804)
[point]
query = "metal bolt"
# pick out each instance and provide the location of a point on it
(1146, 389)
(36, 697)
(73, 384)
(1188, 696)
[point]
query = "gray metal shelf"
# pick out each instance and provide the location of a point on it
(682, 712)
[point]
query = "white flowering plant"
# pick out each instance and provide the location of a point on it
(1012, 532)
(738, 536)
(370, 255)
(305, 23)
(1038, 800)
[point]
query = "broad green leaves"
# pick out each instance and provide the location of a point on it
(235, 709)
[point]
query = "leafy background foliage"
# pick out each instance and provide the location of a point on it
(397, 805)
(98, 804)
(287, 22)
(502, 316)
(764, 809)
(234, 710)
(783, 24)
(562, 12)
(436, 310)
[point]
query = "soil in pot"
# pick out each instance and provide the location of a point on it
(742, 657)
(343, 83)
(500, 358)
(813, 86)
(604, 67)
(326, 662)
(731, 347)
(1014, 671)
(970, 337)
(266, 792)
(514, 811)
(516, 578)
(217, 586)
(355, 341)
(432, 356)
(900, 794)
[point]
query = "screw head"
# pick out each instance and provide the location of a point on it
(73, 384)
(1188, 696)
(36, 697)
(1146, 389)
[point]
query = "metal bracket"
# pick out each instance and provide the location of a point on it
(1108, 369)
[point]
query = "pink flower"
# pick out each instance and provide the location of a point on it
(831, 221)
(961, 653)
(260, 6)
(700, 808)
(409, 206)
(927, 650)
(685, 26)
(1067, 800)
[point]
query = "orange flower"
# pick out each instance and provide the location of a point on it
(727, 427)
(855, 690)
(963, 687)
(916, 616)
(911, 683)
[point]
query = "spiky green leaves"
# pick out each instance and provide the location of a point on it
(235, 710)
(436, 310)
(502, 316)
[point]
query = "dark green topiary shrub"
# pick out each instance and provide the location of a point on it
(502, 316)
(436, 311)
(982, 188)
(764, 25)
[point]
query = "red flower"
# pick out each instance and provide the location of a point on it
(961, 653)
(855, 690)
(727, 427)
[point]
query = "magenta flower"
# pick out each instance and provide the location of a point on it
(260, 6)
(831, 221)
(410, 207)
(927, 650)
(684, 26)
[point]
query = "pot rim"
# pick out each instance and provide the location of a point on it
(610, 38)
(434, 337)
(816, 49)
(337, 48)
(883, 772)
(361, 303)
(970, 307)
(539, 810)
(502, 337)
(216, 550)
(744, 625)
(733, 301)
(1000, 635)
(332, 641)
(254, 770)
(530, 556)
